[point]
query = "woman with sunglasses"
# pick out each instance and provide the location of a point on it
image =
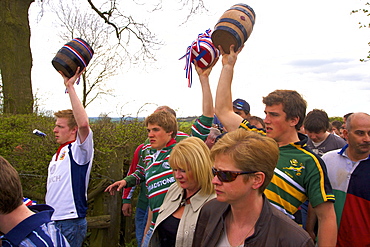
(192, 169)
(241, 215)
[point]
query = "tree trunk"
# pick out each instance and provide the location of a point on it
(15, 56)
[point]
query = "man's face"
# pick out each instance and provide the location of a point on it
(276, 124)
(158, 137)
(62, 131)
(358, 137)
(240, 113)
(317, 136)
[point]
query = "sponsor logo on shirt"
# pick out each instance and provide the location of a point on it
(295, 167)
(166, 165)
(158, 184)
(62, 155)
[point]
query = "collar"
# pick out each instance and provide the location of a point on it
(196, 201)
(264, 219)
(302, 140)
(262, 222)
(60, 148)
(171, 142)
(299, 144)
(343, 152)
(23, 229)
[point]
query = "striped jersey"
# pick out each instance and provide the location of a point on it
(68, 179)
(351, 186)
(200, 128)
(144, 150)
(157, 174)
(299, 175)
(36, 230)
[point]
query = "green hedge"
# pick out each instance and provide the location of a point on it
(114, 142)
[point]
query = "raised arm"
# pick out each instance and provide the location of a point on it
(207, 99)
(223, 106)
(79, 112)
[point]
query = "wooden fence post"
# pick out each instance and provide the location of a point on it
(105, 223)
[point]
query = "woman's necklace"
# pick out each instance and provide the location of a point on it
(241, 242)
(183, 200)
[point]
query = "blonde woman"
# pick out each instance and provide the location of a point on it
(192, 169)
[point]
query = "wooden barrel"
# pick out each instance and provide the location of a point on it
(76, 53)
(234, 27)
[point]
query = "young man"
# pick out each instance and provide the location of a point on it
(201, 128)
(141, 213)
(69, 169)
(299, 173)
(21, 225)
(154, 170)
(348, 171)
(320, 141)
(316, 125)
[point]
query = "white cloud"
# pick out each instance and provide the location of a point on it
(313, 47)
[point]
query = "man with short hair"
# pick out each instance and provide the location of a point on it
(201, 129)
(154, 170)
(69, 169)
(242, 108)
(345, 117)
(141, 212)
(299, 173)
(320, 140)
(349, 172)
(21, 225)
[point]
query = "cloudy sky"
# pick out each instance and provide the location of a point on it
(313, 47)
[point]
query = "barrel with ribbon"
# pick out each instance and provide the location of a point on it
(234, 27)
(202, 52)
(74, 54)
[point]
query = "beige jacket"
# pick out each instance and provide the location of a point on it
(171, 203)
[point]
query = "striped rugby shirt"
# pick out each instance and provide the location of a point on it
(36, 230)
(299, 175)
(351, 186)
(157, 173)
(200, 128)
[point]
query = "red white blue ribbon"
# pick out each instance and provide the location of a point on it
(188, 55)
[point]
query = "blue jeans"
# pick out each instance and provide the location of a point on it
(74, 230)
(141, 216)
(304, 212)
(147, 238)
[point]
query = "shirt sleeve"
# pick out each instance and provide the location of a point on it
(202, 127)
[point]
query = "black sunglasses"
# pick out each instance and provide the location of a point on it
(227, 176)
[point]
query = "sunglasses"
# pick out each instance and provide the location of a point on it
(227, 176)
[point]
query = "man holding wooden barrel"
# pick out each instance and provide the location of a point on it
(299, 174)
(69, 169)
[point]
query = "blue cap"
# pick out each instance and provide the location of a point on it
(241, 104)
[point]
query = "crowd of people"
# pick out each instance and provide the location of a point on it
(288, 179)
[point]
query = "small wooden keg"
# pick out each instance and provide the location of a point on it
(234, 27)
(74, 54)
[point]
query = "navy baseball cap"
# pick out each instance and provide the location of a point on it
(241, 104)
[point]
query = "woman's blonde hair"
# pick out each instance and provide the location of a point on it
(192, 154)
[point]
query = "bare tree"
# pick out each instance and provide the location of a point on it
(15, 56)
(365, 11)
(15, 52)
(107, 59)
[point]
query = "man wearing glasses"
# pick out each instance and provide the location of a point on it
(299, 174)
